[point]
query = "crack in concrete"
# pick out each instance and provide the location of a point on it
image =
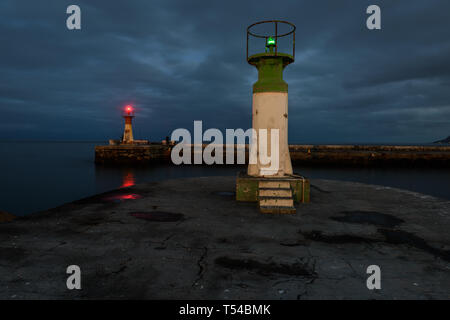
(355, 274)
(162, 244)
(123, 266)
(305, 292)
(121, 269)
(201, 266)
(57, 246)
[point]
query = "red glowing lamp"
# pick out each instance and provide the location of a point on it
(129, 110)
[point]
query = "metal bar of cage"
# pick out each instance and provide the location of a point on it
(247, 44)
(276, 38)
(268, 21)
(292, 31)
(293, 46)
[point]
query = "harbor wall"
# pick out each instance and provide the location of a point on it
(124, 154)
(329, 155)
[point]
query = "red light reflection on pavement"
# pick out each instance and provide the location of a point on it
(128, 180)
(125, 196)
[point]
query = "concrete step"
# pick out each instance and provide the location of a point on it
(274, 184)
(276, 201)
(275, 192)
(277, 209)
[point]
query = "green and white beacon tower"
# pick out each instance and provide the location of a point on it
(275, 187)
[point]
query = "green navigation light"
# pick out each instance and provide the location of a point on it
(270, 41)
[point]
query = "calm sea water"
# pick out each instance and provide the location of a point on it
(36, 176)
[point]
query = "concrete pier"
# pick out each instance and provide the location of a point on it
(132, 153)
(366, 155)
(329, 155)
(190, 239)
(6, 216)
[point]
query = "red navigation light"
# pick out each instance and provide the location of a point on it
(128, 110)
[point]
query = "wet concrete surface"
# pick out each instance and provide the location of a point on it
(369, 217)
(189, 239)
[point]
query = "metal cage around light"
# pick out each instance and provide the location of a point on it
(275, 35)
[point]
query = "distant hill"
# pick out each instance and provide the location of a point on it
(446, 140)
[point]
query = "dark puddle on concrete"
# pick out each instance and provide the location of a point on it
(12, 254)
(296, 269)
(295, 243)
(335, 239)
(394, 237)
(403, 237)
(369, 217)
(225, 193)
(94, 219)
(158, 216)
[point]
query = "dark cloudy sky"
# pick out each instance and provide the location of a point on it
(180, 61)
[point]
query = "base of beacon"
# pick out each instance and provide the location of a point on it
(248, 187)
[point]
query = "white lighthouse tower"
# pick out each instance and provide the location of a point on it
(270, 110)
(273, 184)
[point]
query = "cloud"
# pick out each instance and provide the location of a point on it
(180, 61)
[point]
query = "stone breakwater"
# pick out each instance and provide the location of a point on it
(371, 155)
(122, 154)
(6, 216)
(340, 155)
